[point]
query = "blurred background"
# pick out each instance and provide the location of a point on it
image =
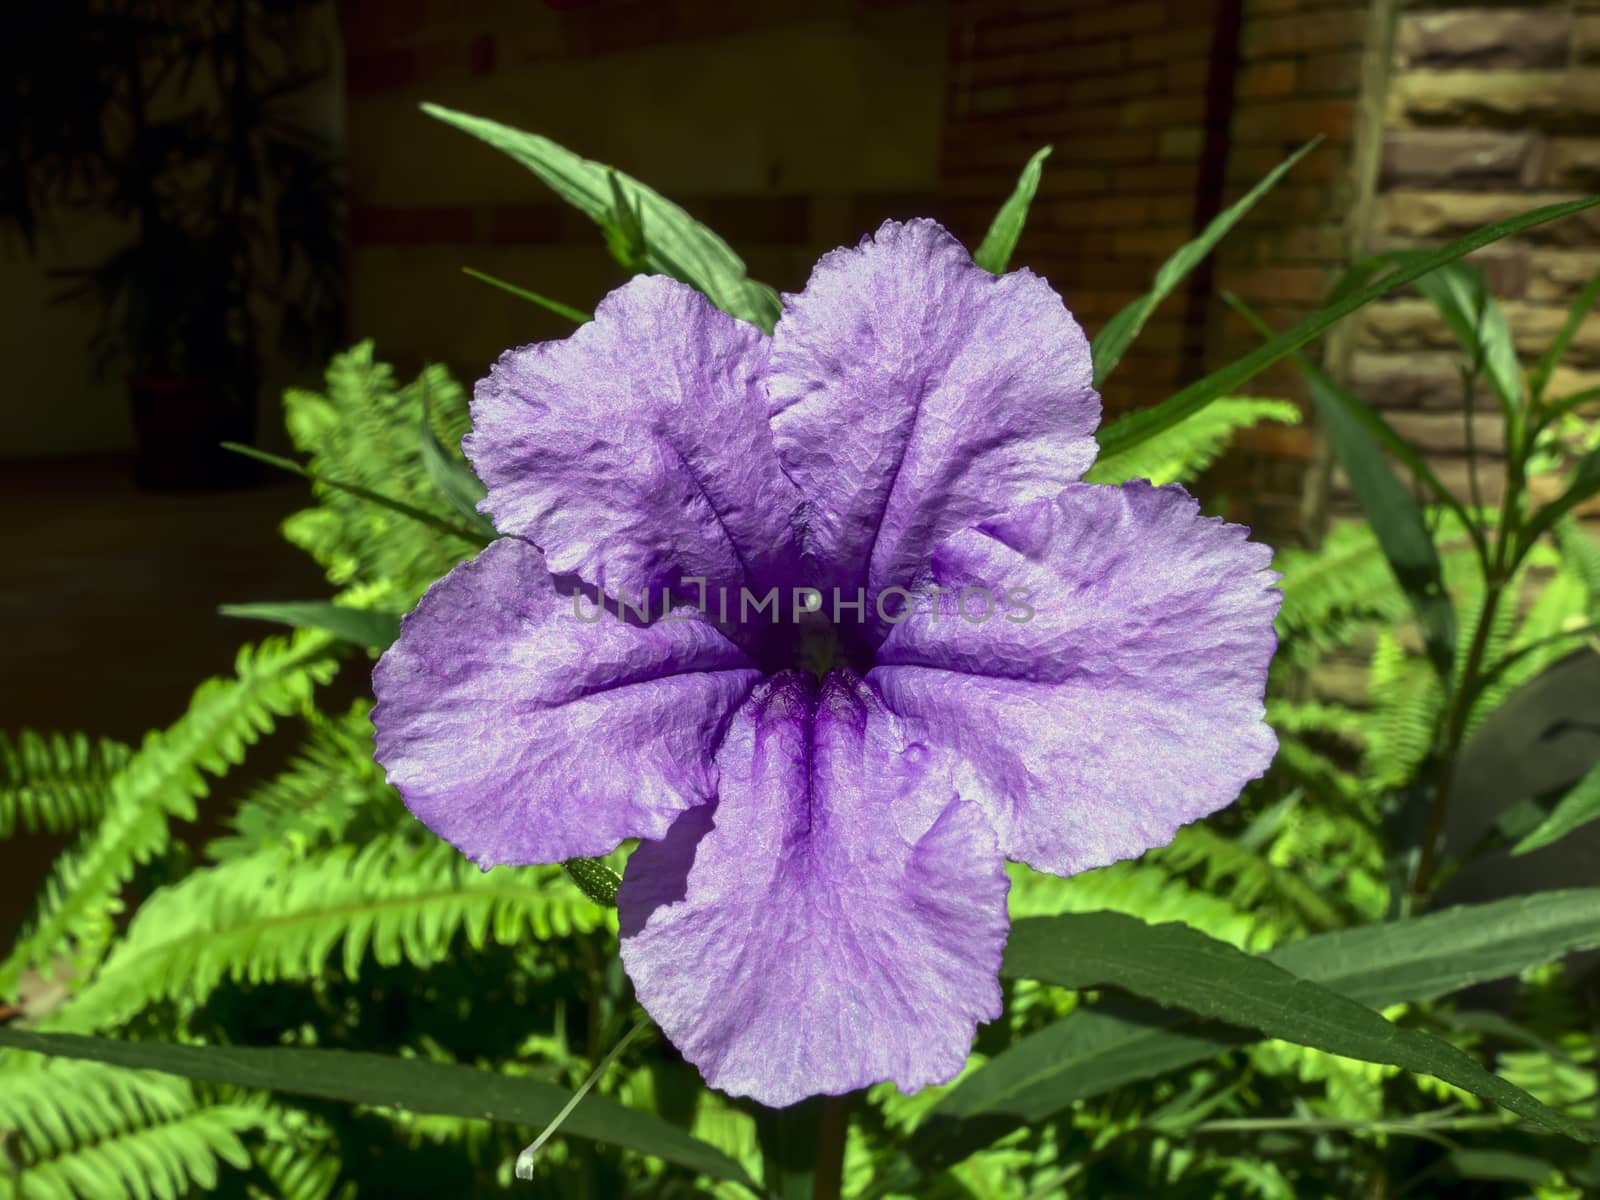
(202, 200)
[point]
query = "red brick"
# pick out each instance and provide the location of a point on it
(1104, 19)
(1166, 48)
(1276, 78)
(1301, 33)
(1174, 177)
(1331, 74)
(372, 224)
(1159, 113)
(1294, 120)
(1182, 143)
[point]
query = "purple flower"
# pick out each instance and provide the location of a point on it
(819, 899)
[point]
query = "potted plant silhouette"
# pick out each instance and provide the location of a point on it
(186, 120)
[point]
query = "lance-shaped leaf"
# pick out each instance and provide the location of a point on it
(1539, 377)
(674, 243)
(994, 252)
(1578, 807)
(1461, 294)
(1395, 516)
(575, 315)
(409, 1084)
(1109, 1045)
(461, 489)
(359, 626)
(1585, 483)
(1129, 431)
(1118, 334)
(466, 534)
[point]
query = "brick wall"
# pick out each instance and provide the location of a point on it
(1134, 97)
(1302, 72)
(789, 126)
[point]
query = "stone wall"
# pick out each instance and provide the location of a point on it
(1490, 111)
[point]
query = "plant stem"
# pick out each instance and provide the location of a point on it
(831, 1135)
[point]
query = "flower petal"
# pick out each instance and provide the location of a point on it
(521, 733)
(835, 919)
(636, 452)
(1128, 704)
(914, 394)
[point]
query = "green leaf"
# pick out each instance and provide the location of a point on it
(1539, 377)
(1098, 1049)
(576, 315)
(994, 252)
(1190, 446)
(1461, 294)
(1128, 431)
(370, 496)
(360, 626)
(1578, 807)
(408, 1084)
(1179, 967)
(1114, 339)
(1395, 516)
(1585, 483)
(676, 244)
(461, 489)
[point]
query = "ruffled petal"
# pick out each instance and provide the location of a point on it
(1115, 690)
(914, 394)
(523, 732)
(636, 452)
(835, 919)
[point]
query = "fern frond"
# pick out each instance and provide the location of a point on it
(1250, 881)
(1581, 555)
(85, 1129)
(165, 1161)
(1189, 447)
(1537, 643)
(299, 1157)
(332, 790)
(55, 782)
(1312, 717)
(1140, 889)
(1408, 703)
(1346, 585)
(364, 430)
(268, 917)
(159, 784)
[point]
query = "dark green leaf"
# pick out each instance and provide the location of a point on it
(1461, 294)
(675, 244)
(561, 310)
(1504, 1166)
(1134, 428)
(409, 1084)
(1585, 483)
(994, 252)
(471, 536)
(361, 626)
(1577, 808)
(461, 489)
(1118, 334)
(1177, 966)
(1396, 518)
(1539, 377)
(1098, 1049)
